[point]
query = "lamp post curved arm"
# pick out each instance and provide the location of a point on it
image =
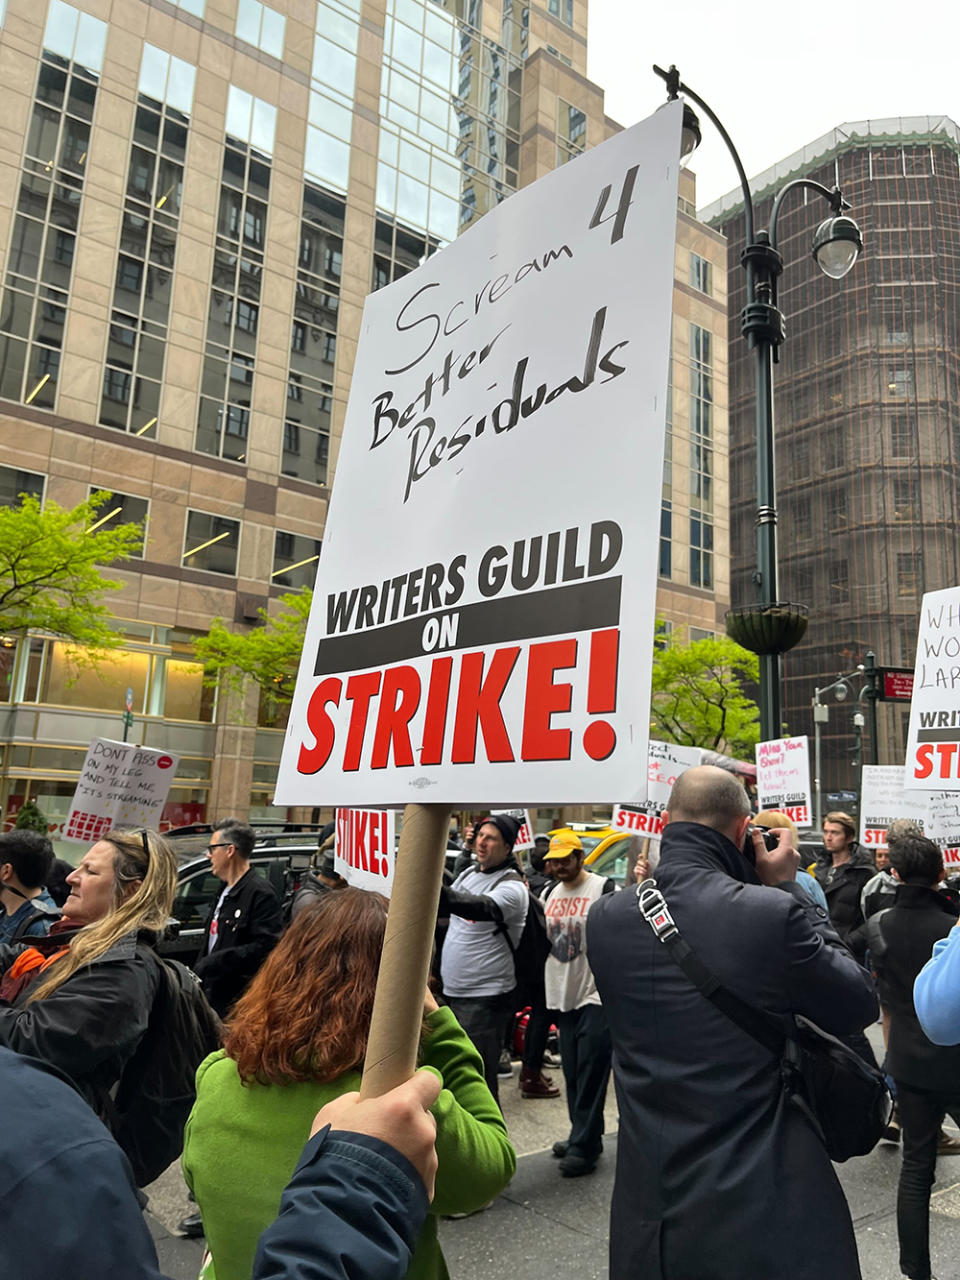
(832, 195)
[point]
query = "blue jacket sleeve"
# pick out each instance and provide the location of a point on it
(352, 1211)
(936, 992)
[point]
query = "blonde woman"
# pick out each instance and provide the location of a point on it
(81, 997)
(772, 820)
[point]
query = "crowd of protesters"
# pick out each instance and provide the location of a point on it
(537, 945)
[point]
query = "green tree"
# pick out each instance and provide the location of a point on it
(267, 655)
(30, 817)
(51, 577)
(697, 697)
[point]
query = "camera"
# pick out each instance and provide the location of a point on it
(771, 840)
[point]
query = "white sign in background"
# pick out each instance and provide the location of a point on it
(933, 739)
(665, 762)
(525, 834)
(120, 785)
(783, 778)
(884, 799)
(472, 634)
(365, 848)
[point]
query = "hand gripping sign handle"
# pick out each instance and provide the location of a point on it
(407, 948)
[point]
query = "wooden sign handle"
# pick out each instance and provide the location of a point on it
(407, 948)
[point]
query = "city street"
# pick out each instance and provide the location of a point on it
(551, 1228)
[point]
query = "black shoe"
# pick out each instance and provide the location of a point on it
(191, 1226)
(559, 1150)
(576, 1166)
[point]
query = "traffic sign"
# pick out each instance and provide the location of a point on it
(895, 684)
(129, 699)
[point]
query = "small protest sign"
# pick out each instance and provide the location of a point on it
(525, 834)
(665, 762)
(933, 738)
(121, 785)
(783, 778)
(365, 848)
(883, 799)
(470, 634)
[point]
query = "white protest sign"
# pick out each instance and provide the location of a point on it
(883, 799)
(365, 848)
(121, 785)
(933, 739)
(472, 634)
(783, 778)
(943, 824)
(665, 762)
(525, 834)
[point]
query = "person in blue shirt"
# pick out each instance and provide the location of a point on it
(936, 991)
(354, 1205)
(773, 820)
(26, 860)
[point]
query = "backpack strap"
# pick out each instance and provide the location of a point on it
(653, 908)
(40, 912)
(875, 939)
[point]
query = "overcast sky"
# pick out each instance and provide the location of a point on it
(773, 73)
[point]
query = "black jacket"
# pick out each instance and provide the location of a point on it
(918, 919)
(248, 926)
(843, 886)
(70, 1207)
(705, 1131)
(90, 1026)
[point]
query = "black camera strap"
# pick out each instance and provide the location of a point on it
(654, 909)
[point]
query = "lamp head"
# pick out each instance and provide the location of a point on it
(842, 691)
(837, 245)
(690, 135)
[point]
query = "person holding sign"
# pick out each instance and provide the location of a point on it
(487, 905)
(296, 1040)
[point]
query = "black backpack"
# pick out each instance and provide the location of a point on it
(157, 1089)
(530, 953)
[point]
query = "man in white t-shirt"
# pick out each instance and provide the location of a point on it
(476, 968)
(571, 990)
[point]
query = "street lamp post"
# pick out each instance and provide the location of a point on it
(821, 715)
(770, 626)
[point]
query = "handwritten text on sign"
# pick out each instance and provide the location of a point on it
(933, 739)
(666, 761)
(783, 778)
(120, 785)
(464, 638)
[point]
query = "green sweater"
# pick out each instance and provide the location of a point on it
(243, 1142)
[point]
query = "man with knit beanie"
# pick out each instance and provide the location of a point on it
(477, 967)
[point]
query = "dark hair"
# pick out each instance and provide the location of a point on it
(237, 833)
(30, 854)
(57, 886)
(306, 1014)
(916, 860)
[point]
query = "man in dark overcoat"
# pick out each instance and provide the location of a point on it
(719, 1176)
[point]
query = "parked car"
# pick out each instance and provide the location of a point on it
(281, 855)
(609, 852)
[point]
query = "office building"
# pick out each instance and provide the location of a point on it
(868, 443)
(196, 199)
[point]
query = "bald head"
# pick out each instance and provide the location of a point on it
(710, 796)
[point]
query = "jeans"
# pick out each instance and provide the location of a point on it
(586, 1052)
(921, 1115)
(483, 1019)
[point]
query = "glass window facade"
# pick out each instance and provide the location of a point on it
(294, 560)
(121, 508)
(260, 25)
(43, 237)
(211, 543)
(15, 483)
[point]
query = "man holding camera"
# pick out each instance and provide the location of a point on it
(719, 1177)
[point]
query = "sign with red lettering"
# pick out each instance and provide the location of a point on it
(783, 778)
(365, 846)
(933, 739)
(471, 635)
(120, 785)
(883, 799)
(665, 762)
(524, 839)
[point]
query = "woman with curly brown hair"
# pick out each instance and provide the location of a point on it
(296, 1039)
